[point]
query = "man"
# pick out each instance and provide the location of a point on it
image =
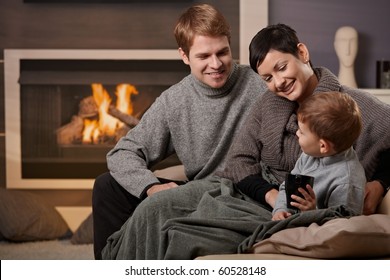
(195, 118)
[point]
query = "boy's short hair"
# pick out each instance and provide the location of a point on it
(203, 20)
(333, 116)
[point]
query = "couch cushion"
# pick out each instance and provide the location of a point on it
(175, 173)
(356, 237)
(27, 217)
(384, 207)
(84, 233)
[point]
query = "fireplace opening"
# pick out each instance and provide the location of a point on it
(72, 112)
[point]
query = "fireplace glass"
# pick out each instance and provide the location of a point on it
(73, 111)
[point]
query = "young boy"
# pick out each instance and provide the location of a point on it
(329, 123)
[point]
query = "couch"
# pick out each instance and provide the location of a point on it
(353, 238)
(360, 237)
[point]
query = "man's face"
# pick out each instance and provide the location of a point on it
(210, 60)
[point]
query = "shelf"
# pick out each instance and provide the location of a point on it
(380, 91)
(383, 94)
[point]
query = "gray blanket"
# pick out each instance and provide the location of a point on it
(219, 220)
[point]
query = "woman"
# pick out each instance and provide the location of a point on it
(268, 138)
(209, 216)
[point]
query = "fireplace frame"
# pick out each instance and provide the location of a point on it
(13, 151)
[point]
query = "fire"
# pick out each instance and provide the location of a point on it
(90, 131)
(107, 125)
(123, 94)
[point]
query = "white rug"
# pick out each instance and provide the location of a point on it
(46, 250)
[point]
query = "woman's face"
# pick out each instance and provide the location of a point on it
(288, 76)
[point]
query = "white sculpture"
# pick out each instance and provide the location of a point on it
(346, 46)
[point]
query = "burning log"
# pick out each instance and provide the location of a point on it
(88, 107)
(97, 121)
(125, 118)
(70, 133)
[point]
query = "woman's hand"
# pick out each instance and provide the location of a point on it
(373, 196)
(161, 187)
(306, 203)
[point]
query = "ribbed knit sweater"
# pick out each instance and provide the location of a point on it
(190, 118)
(268, 135)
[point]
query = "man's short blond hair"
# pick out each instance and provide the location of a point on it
(202, 20)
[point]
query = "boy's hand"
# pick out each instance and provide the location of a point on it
(280, 215)
(306, 203)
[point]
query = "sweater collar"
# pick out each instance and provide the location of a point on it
(225, 89)
(342, 156)
(327, 81)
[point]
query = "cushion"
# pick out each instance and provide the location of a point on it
(84, 233)
(27, 217)
(356, 237)
(384, 206)
(175, 173)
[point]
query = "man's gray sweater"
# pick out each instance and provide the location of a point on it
(190, 118)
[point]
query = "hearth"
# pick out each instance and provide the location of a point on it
(65, 109)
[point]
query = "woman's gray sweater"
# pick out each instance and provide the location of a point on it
(190, 118)
(268, 135)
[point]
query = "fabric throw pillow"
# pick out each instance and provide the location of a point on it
(356, 237)
(27, 217)
(2, 238)
(84, 233)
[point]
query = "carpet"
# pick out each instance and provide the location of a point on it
(46, 250)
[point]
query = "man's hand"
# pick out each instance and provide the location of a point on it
(161, 187)
(373, 196)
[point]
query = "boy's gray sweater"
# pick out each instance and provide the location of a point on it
(338, 180)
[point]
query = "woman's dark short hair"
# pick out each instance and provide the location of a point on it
(279, 37)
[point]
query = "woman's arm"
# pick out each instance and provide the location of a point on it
(378, 187)
(244, 155)
(256, 187)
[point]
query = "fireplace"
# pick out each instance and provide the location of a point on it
(65, 109)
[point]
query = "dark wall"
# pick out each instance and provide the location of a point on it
(135, 25)
(317, 21)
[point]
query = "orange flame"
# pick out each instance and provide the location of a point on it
(107, 124)
(90, 130)
(123, 93)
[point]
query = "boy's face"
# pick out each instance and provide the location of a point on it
(310, 143)
(210, 60)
